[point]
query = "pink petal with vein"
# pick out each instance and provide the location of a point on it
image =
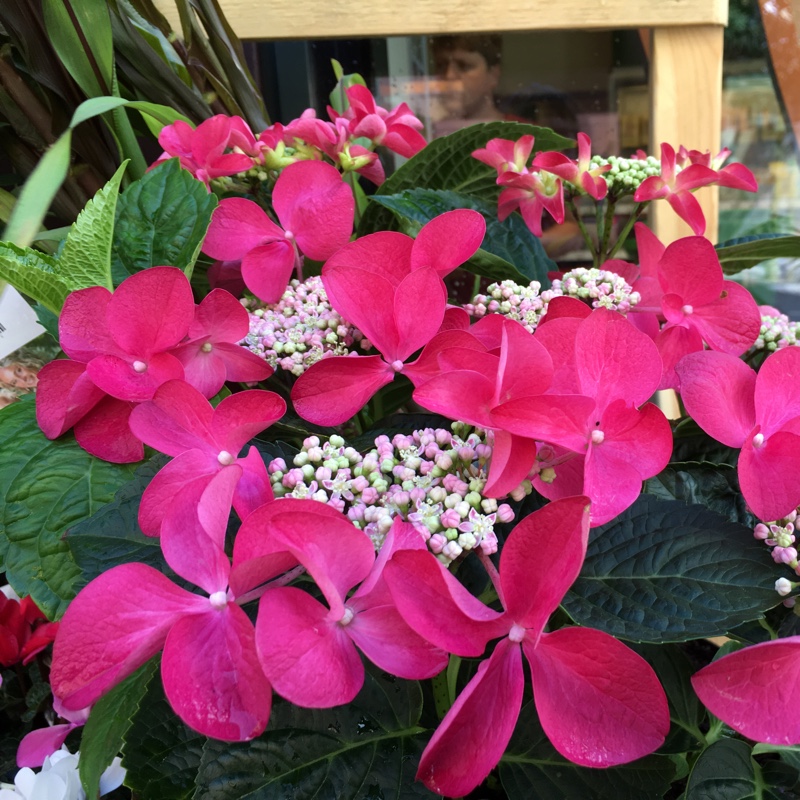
(316, 205)
(212, 677)
(307, 657)
(690, 268)
(418, 583)
(525, 365)
(674, 343)
(449, 240)
(239, 417)
(119, 378)
(64, 395)
(112, 627)
(462, 395)
(386, 253)
(599, 703)
(335, 389)
(612, 483)
(769, 476)
(558, 337)
(82, 328)
(419, 303)
(205, 371)
(221, 317)
(747, 690)
(686, 206)
(266, 270)
(717, 390)
(731, 323)
(512, 460)
(37, 745)
(237, 227)
(254, 487)
(775, 404)
(480, 724)
(104, 432)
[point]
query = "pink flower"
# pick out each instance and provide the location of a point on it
(505, 155)
(676, 186)
(206, 470)
(700, 306)
(316, 210)
(309, 652)
(599, 703)
(390, 287)
(212, 356)
(532, 193)
(580, 173)
(759, 413)
(201, 150)
(37, 745)
(734, 176)
(621, 439)
(118, 346)
(752, 690)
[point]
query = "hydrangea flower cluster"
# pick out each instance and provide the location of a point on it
(432, 478)
(780, 535)
(524, 304)
(300, 329)
(777, 331)
(627, 174)
(603, 288)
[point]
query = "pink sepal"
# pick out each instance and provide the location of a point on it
(237, 227)
(334, 389)
(480, 723)
(266, 270)
(105, 433)
(748, 689)
(386, 253)
(448, 241)
(82, 329)
(769, 475)
(64, 395)
(240, 416)
(212, 677)
(418, 583)
(599, 703)
(316, 205)
(780, 370)
(512, 459)
(254, 488)
(674, 343)
(560, 307)
(221, 317)
(112, 627)
(717, 390)
(119, 378)
(419, 303)
(305, 654)
(459, 395)
(731, 323)
(37, 745)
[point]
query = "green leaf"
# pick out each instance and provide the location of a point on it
(509, 251)
(161, 220)
(80, 33)
(736, 255)
(531, 768)
(47, 319)
(34, 274)
(366, 749)
(664, 571)
(691, 443)
(447, 163)
(38, 192)
(726, 771)
(86, 258)
(110, 718)
(111, 536)
(46, 486)
(715, 486)
(161, 754)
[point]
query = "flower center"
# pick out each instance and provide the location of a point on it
(139, 366)
(397, 366)
(597, 436)
(517, 633)
(758, 440)
(347, 617)
(225, 458)
(687, 309)
(207, 347)
(218, 600)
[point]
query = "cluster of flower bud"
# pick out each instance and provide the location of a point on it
(780, 536)
(627, 174)
(432, 478)
(603, 289)
(528, 304)
(777, 331)
(301, 329)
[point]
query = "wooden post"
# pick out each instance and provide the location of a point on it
(686, 98)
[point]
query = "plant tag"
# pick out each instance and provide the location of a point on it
(18, 323)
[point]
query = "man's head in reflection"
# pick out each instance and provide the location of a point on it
(471, 66)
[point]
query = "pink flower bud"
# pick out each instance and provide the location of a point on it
(505, 513)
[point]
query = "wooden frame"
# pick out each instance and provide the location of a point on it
(685, 52)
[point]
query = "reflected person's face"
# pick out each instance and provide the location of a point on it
(18, 376)
(472, 81)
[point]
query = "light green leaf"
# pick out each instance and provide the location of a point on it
(94, 107)
(86, 258)
(45, 487)
(34, 274)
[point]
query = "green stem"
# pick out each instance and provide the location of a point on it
(608, 225)
(572, 206)
(623, 236)
(476, 286)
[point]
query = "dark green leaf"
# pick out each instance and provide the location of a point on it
(447, 163)
(714, 486)
(161, 754)
(726, 771)
(509, 251)
(739, 254)
(161, 221)
(693, 444)
(368, 749)
(47, 319)
(111, 536)
(101, 740)
(663, 571)
(531, 768)
(46, 486)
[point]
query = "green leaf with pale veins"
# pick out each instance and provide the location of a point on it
(665, 571)
(46, 486)
(34, 274)
(736, 255)
(86, 258)
(509, 250)
(162, 220)
(110, 718)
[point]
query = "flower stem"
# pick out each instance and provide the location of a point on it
(573, 207)
(283, 580)
(623, 236)
(608, 224)
(493, 573)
